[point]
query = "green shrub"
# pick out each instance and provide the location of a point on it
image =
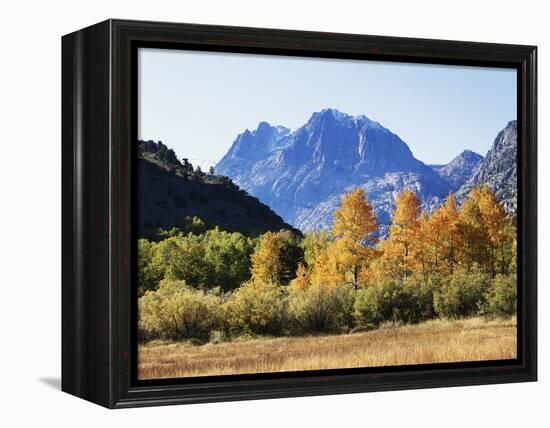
(502, 296)
(149, 272)
(321, 308)
(313, 244)
(407, 302)
(228, 257)
(186, 226)
(184, 260)
(366, 310)
(214, 259)
(463, 294)
(176, 312)
(255, 308)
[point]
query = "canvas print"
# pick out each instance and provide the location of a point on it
(298, 214)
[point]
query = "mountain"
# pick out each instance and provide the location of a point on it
(436, 166)
(302, 174)
(498, 170)
(460, 169)
(170, 192)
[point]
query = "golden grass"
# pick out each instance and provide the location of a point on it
(436, 341)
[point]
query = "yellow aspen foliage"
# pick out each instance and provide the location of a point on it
(355, 219)
(449, 211)
(407, 209)
(421, 251)
(266, 262)
(496, 223)
(404, 232)
(420, 245)
(276, 258)
(327, 268)
(390, 264)
(302, 280)
(355, 230)
(355, 226)
(473, 233)
(372, 274)
(441, 237)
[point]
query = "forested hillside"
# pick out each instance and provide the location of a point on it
(171, 193)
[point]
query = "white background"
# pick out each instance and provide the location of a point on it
(30, 213)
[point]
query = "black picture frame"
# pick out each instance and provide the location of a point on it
(98, 298)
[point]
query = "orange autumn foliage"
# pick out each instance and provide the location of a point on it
(355, 229)
(420, 245)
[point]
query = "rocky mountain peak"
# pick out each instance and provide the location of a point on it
(252, 145)
(498, 170)
(318, 162)
(460, 168)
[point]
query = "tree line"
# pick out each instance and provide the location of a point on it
(212, 284)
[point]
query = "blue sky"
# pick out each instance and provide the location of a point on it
(198, 102)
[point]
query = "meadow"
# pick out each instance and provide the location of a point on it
(432, 341)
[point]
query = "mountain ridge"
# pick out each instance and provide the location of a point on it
(498, 169)
(330, 154)
(302, 174)
(460, 168)
(171, 192)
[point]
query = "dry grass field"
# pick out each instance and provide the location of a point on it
(435, 341)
